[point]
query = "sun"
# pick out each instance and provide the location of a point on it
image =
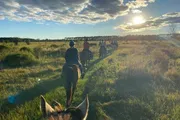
(138, 20)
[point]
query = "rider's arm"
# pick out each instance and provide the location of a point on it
(66, 55)
(77, 55)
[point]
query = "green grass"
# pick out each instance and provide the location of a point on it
(138, 81)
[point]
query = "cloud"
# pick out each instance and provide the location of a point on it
(67, 11)
(153, 23)
(139, 3)
(136, 11)
(2, 17)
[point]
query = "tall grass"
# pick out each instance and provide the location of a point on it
(139, 81)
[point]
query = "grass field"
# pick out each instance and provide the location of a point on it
(138, 81)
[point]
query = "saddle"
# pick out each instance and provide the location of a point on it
(75, 67)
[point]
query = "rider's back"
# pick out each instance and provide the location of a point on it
(86, 45)
(71, 55)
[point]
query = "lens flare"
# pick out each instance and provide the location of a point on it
(138, 20)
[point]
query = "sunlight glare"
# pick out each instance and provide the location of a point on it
(138, 20)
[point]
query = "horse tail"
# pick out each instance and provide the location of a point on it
(69, 74)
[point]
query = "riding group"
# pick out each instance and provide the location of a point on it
(72, 71)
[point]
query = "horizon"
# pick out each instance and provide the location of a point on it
(88, 36)
(79, 18)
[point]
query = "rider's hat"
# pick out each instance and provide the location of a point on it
(71, 43)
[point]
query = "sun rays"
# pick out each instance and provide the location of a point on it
(138, 20)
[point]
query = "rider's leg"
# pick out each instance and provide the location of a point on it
(81, 69)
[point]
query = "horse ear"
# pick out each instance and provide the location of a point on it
(84, 107)
(45, 107)
(57, 106)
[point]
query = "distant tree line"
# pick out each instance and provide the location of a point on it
(127, 37)
(27, 40)
(91, 38)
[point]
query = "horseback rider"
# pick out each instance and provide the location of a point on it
(72, 57)
(86, 47)
(102, 49)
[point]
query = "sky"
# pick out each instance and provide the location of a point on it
(56, 19)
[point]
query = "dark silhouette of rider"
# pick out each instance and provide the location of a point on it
(86, 45)
(72, 57)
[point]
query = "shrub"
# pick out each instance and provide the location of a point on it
(62, 51)
(54, 46)
(26, 49)
(173, 53)
(160, 59)
(20, 59)
(38, 52)
(175, 113)
(3, 47)
(173, 75)
(16, 42)
(177, 62)
(56, 53)
(27, 42)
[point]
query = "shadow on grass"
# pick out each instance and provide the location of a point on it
(136, 87)
(38, 90)
(30, 94)
(131, 110)
(43, 73)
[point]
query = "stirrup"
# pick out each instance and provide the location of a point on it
(82, 75)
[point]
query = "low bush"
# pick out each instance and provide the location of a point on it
(173, 75)
(26, 49)
(19, 59)
(38, 51)
(3, 47)
(160, 59)
(54, 46)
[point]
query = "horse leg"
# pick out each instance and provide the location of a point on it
(73, 90)
(74, 87)
(68, 91)
(69, 97)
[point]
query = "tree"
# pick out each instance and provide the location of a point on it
(27, 42)
(16, 42)
(172, 30)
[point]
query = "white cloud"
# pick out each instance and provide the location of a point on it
(153, 23)
(139, 3)
(2, 17)
(136, 11)
(66, 11)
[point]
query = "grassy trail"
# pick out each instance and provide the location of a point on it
(27, 101)
(139, 80)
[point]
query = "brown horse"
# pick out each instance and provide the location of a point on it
(57, 113)
(85, 57)
(72, 74)
(102, 51)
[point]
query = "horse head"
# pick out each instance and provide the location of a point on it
(58, 113)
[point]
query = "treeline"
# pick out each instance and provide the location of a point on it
(16, 39)
(128, 37)
(91, 38)
(143, 37)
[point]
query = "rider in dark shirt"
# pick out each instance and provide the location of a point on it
(72, 57)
